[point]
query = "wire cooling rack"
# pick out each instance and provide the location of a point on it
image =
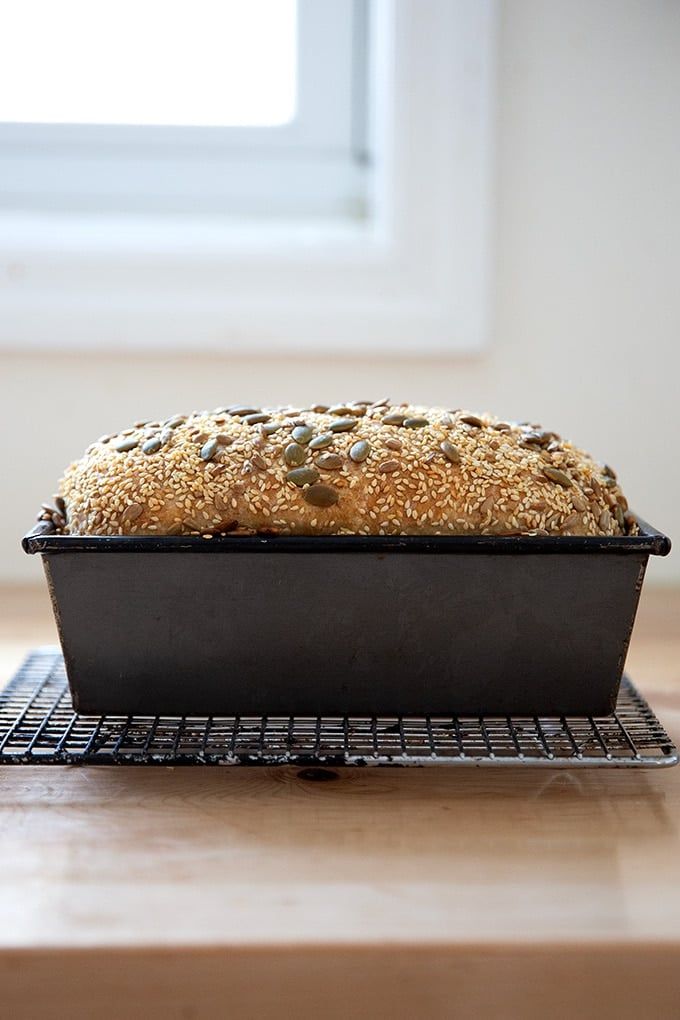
(39, 727)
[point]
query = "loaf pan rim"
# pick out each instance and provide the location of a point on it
(44, 539)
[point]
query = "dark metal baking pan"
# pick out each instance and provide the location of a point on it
(467, 625)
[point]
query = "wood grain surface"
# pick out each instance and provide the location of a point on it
(190, 892)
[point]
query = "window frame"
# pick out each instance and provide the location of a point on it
(414, 278)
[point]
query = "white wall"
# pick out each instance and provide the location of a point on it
(587, 314)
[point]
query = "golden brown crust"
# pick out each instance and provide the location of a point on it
(357, 469)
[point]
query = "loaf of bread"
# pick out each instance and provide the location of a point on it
(361, 468)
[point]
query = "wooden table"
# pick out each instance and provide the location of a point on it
(185, 893)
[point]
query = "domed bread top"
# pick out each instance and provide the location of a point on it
(360, 468)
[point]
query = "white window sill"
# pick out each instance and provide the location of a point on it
(104, 236)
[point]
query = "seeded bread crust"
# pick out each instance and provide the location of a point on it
(360, 468)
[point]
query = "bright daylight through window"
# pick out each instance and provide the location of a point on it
(208, 62)
(215, 107)
(247, 174)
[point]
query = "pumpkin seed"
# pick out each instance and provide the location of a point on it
(123, 445)
(360, 451)
(209, 449)
(536, 438)
(132, 512)
(329, 462)
(340, 409)
(255, 419)
(555, 475)
(270, 428)
(194, 524)
(620, 519)
(303, 476)
(415, 423)
(322, 441)
(152, 445)
(302, 433)
(343, 425)
(450, 451)
(240, 411)
(394, 418)
(488, 504)
(387, 466)
(321, 495)
(294, 454)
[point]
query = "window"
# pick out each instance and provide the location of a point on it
(215, 106)
(246, 176)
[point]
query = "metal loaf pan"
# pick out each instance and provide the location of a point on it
(470, 625)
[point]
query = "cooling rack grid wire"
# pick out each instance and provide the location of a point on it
(38, 726)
